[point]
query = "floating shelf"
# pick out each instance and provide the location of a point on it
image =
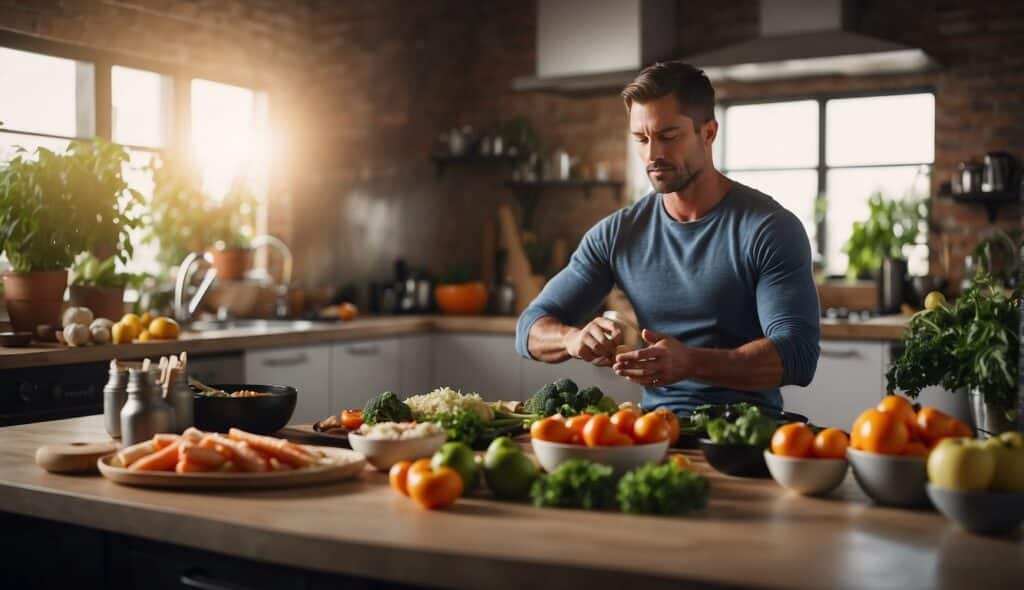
(992, 201)
(442, 161)
(585, 185)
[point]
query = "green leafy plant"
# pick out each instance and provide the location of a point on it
(87, 270)
(891, 225)
(55, 205)
(969, 344)
(231, 220)
(577, 483)
(998, 254)
(662, 489)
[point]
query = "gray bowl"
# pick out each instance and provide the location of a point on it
(892, 480)
(980, 512)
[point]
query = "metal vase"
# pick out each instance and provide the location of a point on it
(987, 419)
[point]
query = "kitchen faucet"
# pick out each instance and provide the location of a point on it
(183, 312)
(281, 288)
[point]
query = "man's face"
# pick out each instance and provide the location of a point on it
(673, 153)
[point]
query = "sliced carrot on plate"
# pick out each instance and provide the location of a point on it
(163, 460)
(275, 447)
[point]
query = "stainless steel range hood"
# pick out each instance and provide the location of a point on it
(801, 38)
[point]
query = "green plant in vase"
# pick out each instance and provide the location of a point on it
(891, 225)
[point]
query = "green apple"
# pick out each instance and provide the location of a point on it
(500, 445)
(1008, 449)
(961, 464)
(462, 459)
(509, 473)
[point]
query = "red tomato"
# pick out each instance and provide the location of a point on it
(352, 419)
(795, 439)
(882, 432)
(434, 488)
(902, 408)
(623, 421)
(830, 443)
(599, 431)
(551, 430)
(650, 428)
(397, 477)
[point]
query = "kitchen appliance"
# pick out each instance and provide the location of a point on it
(892, 285)
(970, 176)
(997, 171)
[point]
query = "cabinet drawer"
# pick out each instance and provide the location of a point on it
(362, 369)
(306, 368)
(850, 378)
(479, 363)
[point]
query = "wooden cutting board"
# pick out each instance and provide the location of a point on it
(77, 457)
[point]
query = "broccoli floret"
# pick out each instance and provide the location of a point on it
(566, 385)
(591, 395)
(551, 406)
(386, 407)
(606, 405)
(536, 403)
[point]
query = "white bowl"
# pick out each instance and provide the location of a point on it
(894, 480)
(980, 512)
(806, 476)
(382, 453)
(621, 459)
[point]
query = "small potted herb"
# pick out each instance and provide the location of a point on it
(891, 225)
(54, 206)
(96, 284)
(970, 345)
(230, 231)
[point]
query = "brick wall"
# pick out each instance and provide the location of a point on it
(361, 90)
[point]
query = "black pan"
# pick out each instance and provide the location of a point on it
(261, 415)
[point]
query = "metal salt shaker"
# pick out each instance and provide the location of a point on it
(145, 413)
(115, 392)
(180, 397)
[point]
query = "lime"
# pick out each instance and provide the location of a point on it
(934, 300)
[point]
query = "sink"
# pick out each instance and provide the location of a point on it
(250, 325)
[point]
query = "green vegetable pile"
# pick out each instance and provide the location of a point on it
(566, 398)
(649, 489)
(971, 343)
(462, 425)
(386, 407)
(662, 489)
(736, 424)
(577, 483)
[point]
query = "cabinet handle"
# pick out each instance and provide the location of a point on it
(362, 350)
(847, 353)
(286, 361)
(195, 578)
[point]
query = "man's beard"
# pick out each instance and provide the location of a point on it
(674, 179)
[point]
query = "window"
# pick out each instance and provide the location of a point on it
(830, 154)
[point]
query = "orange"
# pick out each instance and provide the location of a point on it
(576, 424)
(623, 420)
(915, 449)
(830, 443)
(673, 424)
(902, 408)
(397, 477)
(551, 430)
(681, 461)
(960, 429)
(599, 431)
(164, 329)
(134, 322)
(882, 432)
(795, 439)
(650, 428)
(933, 425)
(347, 312)
(145, 336)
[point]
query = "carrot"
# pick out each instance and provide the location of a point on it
(186, 466)
(241, 454)
(201, 456)
(162, 460)
(164, 440)
(228, 467)
(128, 455)
(193, 434)
(275, 447)
(278, 465)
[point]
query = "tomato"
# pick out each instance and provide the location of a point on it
(650, 428)
(830, 443)
(855, 439)
(915, 449)
(620, 440)
(599, 431)
(795, 439)
(681, 461)
(902, 408)
(352, 419)
(433, 488)
(576, 424)
(933, 425)
(397, 476)
(673, 424)
(882, 432)
(623, 421)
(959, 429)
(551, 430)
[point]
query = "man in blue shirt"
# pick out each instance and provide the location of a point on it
(719, 273)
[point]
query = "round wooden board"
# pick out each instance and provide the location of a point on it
(337, 465)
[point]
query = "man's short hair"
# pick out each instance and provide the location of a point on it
(689, 84)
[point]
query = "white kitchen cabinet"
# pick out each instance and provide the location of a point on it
(362, 369)
(850, 378)
(536, 374)
(416, 364)
(307, 368)
(482, 363)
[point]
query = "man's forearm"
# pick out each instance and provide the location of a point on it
(547, 340)
(755, 366)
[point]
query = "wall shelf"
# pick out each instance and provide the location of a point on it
(992, 201)
(442, 161)
(585, 185)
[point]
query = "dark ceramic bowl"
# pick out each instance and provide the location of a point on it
(691, 440)
(261, 415)
(737, 460)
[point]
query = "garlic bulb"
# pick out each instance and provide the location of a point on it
(100, 333)
(77, 315)
(101, 322)
(76, 334)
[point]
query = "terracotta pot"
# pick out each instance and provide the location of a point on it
(231, 263)
(462, 299)
(105, 302)
(34, 298)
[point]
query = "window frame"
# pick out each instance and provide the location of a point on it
(822, 169)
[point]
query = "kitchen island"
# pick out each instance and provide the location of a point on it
(753, 533)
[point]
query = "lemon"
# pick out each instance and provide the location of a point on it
(164, 329)
(934, 300)
(121, 333)
(146, 318)
(134, 322)
(144, 336)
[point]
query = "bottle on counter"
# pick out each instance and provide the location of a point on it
(115, 393)
(145, 413)
(179, 395)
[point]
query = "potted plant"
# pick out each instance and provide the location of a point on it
(891, 225)
(970, 345)
(230, 231)
(96, 284)
(52, 207)
(459, 293)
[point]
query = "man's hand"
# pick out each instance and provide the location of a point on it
(595, 343)
(664, 362)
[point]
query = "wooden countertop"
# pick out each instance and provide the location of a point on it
(881, 328)
(753, 534)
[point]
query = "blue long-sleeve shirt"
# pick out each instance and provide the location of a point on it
(739, 273)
